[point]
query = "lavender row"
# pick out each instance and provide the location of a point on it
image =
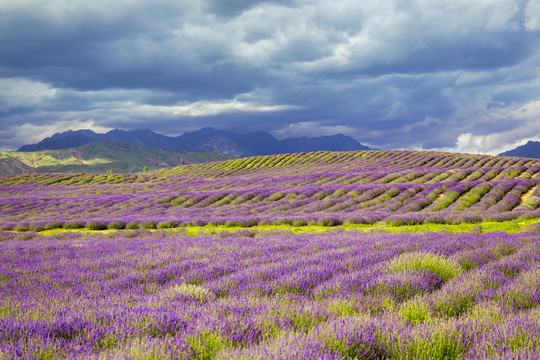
(333, 161)
(346, 174)
(247, 221)
(45, 206)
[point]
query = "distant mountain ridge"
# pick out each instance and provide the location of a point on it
(529, 150)
(205, 139)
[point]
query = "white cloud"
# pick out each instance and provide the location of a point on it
(210, 108)
(526, 126)
(532, 15)
(392, 32)
(27, 133)
(311, 129)
(20, 92)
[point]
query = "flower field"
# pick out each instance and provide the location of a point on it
(152, 295)
(109, 266)
(363, 187)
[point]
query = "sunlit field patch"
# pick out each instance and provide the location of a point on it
(439, 265)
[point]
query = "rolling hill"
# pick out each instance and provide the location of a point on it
(99, 157)
(327, 187)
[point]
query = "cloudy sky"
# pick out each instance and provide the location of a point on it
(453, 75)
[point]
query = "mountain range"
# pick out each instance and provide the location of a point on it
(100, 157)
(529, 150)
(206, 139)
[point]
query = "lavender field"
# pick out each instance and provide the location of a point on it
(362, 187)
(105, 266)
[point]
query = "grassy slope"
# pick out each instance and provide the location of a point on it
(99, 157)
(510, 227)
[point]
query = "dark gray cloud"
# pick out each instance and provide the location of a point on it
(232, 8)
(454, 75)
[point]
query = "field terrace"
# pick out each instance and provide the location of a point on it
(364, 187)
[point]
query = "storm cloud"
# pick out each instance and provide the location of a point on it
(445, 75)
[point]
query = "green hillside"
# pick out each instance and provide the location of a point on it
(100, 157)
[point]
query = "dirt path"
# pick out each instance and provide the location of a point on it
(526, 195)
